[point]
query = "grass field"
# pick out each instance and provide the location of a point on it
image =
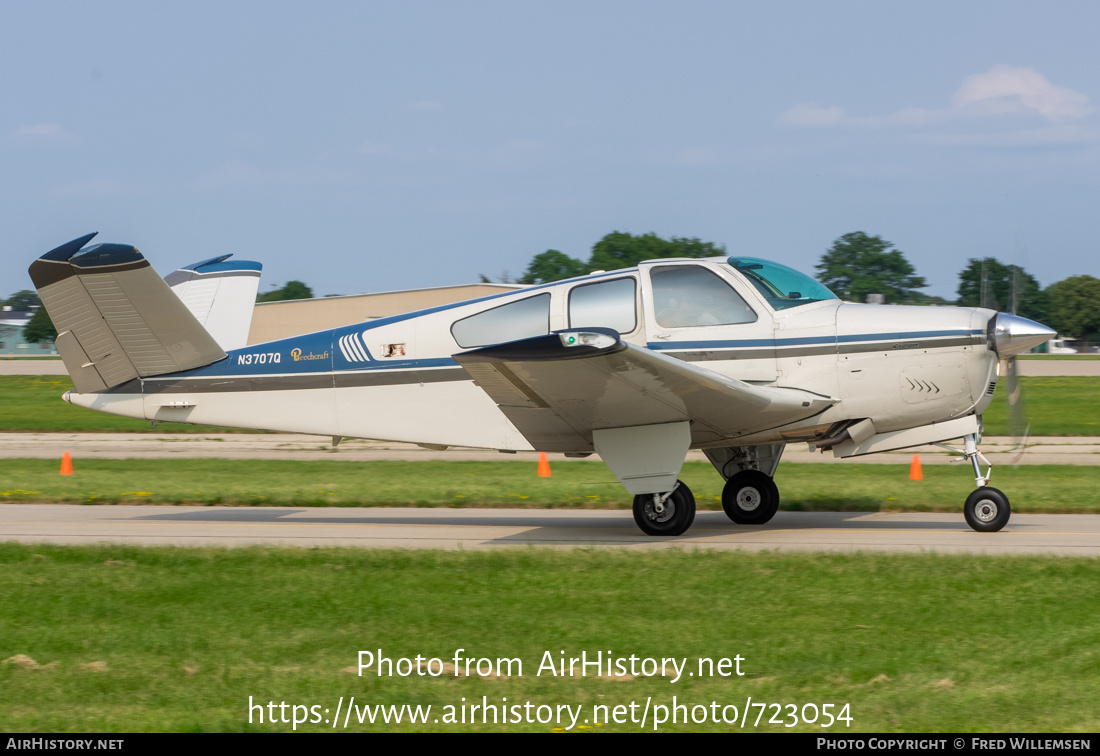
(1057, 406)
(167, 639)
(577, 484)
(33, 403)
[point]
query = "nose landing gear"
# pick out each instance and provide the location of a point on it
(987, 509)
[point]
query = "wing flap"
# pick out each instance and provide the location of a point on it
(557, 392)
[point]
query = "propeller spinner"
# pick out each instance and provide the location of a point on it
(1010, 335)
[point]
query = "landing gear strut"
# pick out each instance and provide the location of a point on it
(667, 514)
(987, 509)
(750, 498)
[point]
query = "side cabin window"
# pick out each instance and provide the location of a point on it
(606, 304)
(510, 322)
(690, 295)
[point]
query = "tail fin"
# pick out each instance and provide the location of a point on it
(116, 319)
(221, 295)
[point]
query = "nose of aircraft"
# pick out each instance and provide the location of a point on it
(1010, 335)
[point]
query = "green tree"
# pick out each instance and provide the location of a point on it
(551, 265)
(1073, 310)
(999, 280)
(857, 265)
(616, 250)
(292, 290)
(39, 328)
(623, 250)
(23, 301)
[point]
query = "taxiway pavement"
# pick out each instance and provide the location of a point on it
(1065, 535)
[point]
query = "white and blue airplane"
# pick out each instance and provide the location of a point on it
(735, 356)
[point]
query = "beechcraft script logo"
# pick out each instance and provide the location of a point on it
(351, 346)
(298, 355)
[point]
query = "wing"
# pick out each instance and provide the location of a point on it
(557, 389)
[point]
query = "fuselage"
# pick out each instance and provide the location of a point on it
(395, 378)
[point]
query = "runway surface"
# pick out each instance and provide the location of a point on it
(1065, 535)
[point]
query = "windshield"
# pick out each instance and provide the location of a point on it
(783, 287)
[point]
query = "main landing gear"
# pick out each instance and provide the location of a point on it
(987, 509)
(667, 514)
(750, 498)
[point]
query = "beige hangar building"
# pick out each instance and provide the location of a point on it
(294, 317)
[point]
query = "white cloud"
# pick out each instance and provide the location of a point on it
(1001, 90)
(1048, 136)
(50, 132)
(1007, 89)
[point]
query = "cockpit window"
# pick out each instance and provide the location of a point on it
(691, 295)
(783, 287)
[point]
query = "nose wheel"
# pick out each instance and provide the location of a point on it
(987, 509)
(665, 514)
(750, 498)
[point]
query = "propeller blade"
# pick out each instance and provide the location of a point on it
(987, 300)
(1018, 272)
(1018, 425)
(1014, 294)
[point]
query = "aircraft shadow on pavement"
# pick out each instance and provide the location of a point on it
(622, 519)
(706, 525)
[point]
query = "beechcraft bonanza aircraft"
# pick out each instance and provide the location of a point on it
(737, 357)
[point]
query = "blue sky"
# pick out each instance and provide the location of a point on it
(376, 146)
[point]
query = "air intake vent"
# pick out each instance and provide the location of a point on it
(992, 387)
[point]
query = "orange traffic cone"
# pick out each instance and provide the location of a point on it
(544, 465)
(66, 464)
(914, 469)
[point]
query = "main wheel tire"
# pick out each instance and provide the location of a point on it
(750, 498)
(987, 510)
(676, 519)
